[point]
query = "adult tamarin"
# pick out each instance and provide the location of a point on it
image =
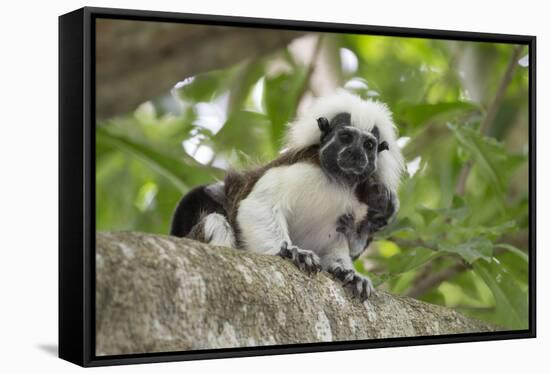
(319, 202)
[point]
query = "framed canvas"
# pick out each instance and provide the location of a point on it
(235, 186)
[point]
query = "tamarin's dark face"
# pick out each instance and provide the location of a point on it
(347, 153)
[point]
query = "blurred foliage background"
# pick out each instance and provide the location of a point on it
(461, 237)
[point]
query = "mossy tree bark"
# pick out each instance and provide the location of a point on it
(158, 293)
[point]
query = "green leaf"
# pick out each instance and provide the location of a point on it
(469, 230)
(397, 228)
(243, 81)
(145, 197)
(471, 250)
(474, 288)
(428, 215)
(490, 155)
(170, 167)
(518, 268)
(202, 87)
(507, 227)
(282, 93)
(434, 296)
(237, 80)
(512, 301)
(410, 259)
(419, 114)
(247, 132)
(518, 252)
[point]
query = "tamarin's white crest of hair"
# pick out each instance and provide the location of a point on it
(365, 114)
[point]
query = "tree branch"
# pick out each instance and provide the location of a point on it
(159, 294)
(140, 61)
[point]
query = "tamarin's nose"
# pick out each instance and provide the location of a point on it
(354, 155)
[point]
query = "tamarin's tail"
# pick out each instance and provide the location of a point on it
(194, 206)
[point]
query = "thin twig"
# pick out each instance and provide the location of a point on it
(463, 177)
(490, 116)
(435, 280)
(504, 83)
(424, 285)
(424, 273)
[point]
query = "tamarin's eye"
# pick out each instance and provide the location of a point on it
(345, 137)
(369, 144)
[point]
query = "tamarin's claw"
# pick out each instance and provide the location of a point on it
(359, 285)
(306, 260)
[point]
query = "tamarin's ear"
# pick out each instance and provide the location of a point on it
(384, 146)
(323, 124)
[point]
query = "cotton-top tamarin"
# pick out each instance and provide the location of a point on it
(319, 202)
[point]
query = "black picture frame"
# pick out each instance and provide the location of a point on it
(77, 184)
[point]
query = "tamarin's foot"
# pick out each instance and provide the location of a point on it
(359, 285)
(305, 259)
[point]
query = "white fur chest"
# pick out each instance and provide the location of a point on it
(309, 202)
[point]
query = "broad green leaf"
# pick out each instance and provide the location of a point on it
(428, 215)
(434, 296)
(401, 283)
(397, 228)
(498, 230)
(457, 212)
(468, 230)
(243, 81)
(518, 267)
(202, 87)
(377, 279)
(282, 93)
(471, 250)
(493, 232)
(167, 165)
(512, 302)
(387, 248)
(474, 288)
(247, 132)
(410, 259)
(145, 196)
(518, 252)
(237, 80)
(492, 158)
(419, 114)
